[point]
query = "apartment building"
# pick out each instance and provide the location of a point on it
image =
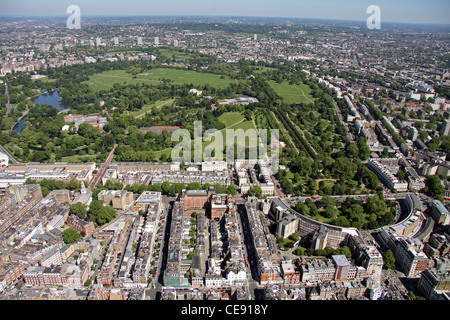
(120, 199)
(214, 166)
(439, 213)
(410, 257)
(221, 204)
(434, 282)
(195, 200)
(83, 227)
(287, 226)
(386, 174)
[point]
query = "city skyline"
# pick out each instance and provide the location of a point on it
(431, 12)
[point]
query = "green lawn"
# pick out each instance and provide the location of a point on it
(260, 69)
(167, 53)
(230, 118)
(105, 80)
(292, 93)
(147, 108)
(233, 120)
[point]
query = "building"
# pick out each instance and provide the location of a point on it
(109, 174)
(221, 204)
(119, 199)
(434, 281)
(445, 129)
(11, 179)
(439, 213)
(385, 173)
(214, 166)
(410, 257)
(307, 227)
(195, 200)
(289, 272)
(342, 267)
(413, 134)
(18, 201)
(84, 176)
(287, 226)
(83, 227)
(4, 160)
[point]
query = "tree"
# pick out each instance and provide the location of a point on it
(352, 150)
(375, 205)
(300, 251)
(79, 210)
(435, 186)
(313, 211)
(388, 260)
(302, 208)
(345, 251)
(255, 191)
(327, 201)
(330, 212)
(231, 189)
(70, 236)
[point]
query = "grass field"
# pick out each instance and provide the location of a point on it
(147, 108)
(260, 69)
(105, 80)
(232, 120)
(292, 93)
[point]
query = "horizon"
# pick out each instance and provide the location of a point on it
(399, 11)
(64, 16)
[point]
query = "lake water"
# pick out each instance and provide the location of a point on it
(51, 98)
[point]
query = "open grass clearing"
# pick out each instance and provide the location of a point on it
(105, 80)
(293, 93)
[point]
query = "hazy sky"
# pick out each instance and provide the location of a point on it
(420, 11)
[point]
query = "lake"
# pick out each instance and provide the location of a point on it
(51, 98)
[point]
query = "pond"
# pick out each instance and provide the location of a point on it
(51, 98)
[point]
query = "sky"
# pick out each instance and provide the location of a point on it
(408, 11)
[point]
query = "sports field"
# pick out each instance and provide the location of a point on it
(105, 80)
(293, 93)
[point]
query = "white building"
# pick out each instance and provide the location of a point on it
(214, 166)
(109, 174)
(236, 276)
(4, 159)
(386, 175)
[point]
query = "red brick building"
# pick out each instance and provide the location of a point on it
(195, 200)
(83, 227)
(220, 204)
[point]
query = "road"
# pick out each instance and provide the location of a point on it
(102, 169)
(285, 131)
(341, 120)
(11, 158)
(155, 288)
(8, 104)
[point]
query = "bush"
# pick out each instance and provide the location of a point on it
(70, 236)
